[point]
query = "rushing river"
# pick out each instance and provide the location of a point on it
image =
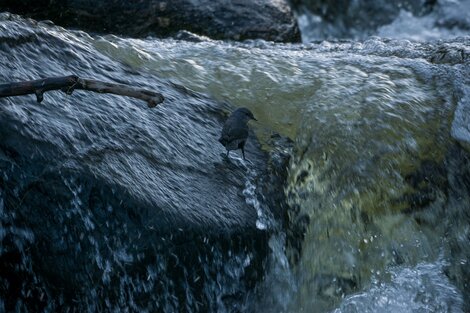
(376, 186)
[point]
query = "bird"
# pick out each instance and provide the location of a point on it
(235, 130)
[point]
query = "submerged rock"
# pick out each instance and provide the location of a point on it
(388, 186)
(237, 20)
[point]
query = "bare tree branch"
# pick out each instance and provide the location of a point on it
(70, 83)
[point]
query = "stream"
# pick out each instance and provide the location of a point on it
(354, 197)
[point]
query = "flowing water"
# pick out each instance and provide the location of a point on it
(377, 182)
(418, 20)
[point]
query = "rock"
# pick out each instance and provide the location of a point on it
(100, 194)
(236, 20)
(449, 54)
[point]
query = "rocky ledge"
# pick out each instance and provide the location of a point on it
(235, 20)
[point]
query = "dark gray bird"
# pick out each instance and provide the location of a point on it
(235, 130)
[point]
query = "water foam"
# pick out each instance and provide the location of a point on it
(423, 288)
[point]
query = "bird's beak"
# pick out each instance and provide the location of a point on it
(254, 119)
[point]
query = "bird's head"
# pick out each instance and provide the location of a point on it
(245, 114)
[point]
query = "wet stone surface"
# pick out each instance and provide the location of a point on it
(235, 20)
(112, 195)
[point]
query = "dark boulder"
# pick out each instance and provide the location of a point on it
(237, 20)
(105, 203)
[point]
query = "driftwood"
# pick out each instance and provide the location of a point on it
(70, 83)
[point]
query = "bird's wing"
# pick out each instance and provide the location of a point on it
(234, 133)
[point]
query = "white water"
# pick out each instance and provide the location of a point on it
(423, 288)
(408, 26)
(449, 19)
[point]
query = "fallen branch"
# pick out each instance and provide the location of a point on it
(70, 83)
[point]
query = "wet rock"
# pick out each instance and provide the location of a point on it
(294, 224)
(237, 20)
(120, 204)
(449, 54)
(280, 153)
(428, 184)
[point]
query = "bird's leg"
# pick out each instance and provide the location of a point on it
(228, 151)
(243, 152)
